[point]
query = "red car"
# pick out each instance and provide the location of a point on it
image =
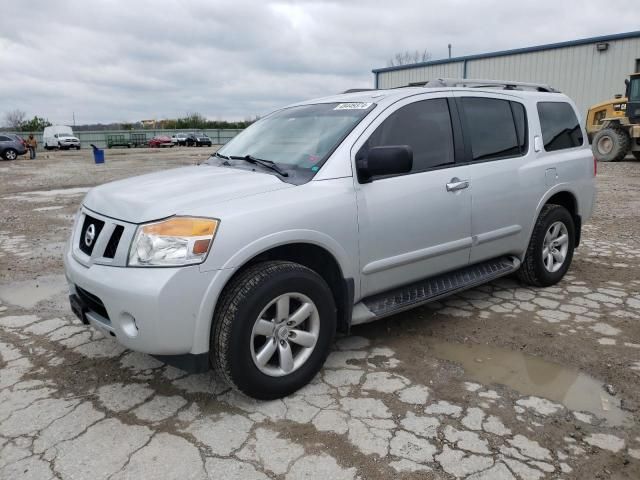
(160, 141)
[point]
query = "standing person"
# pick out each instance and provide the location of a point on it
(32, 144)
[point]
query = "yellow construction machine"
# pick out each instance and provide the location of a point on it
(613, 126)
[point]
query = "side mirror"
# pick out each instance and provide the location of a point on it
(379, 161)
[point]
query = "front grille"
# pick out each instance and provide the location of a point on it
(112, 246)
(87, 242)
(92, 302)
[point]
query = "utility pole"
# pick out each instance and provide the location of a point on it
(449, 50)
(74, 113)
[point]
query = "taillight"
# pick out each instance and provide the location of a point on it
(595, 166)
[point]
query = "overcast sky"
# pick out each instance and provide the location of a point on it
(111, 61)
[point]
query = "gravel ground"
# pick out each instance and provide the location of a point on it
(499, 382)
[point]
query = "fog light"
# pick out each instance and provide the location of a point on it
(128, 325)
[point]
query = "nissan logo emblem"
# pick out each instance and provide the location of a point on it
(90, 235)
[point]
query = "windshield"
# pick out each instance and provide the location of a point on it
(299, 137)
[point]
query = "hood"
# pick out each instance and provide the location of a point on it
(67, 137)
(181, 191)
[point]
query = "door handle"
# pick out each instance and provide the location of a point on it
(457, 184)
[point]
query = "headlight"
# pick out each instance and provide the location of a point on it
(172, 242)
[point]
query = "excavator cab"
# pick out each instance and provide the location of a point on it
(633, 98)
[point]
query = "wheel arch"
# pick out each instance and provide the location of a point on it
(321, 258)
(564, 196)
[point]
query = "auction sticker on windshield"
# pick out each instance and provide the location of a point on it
(353, 106)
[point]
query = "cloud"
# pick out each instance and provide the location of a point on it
(111, 60)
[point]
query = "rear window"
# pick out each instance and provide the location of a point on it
(560, 126)
(495, 130)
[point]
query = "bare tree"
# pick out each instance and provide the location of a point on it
(14, 118)
(409, 57)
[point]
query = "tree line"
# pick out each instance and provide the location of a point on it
(16, 120)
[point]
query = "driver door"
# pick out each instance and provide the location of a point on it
(418, 224)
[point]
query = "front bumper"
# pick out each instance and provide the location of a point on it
(151, 310)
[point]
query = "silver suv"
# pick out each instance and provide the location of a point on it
(331, 213)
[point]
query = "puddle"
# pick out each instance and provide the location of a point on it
(531, 375)
(28, 293)
(43, 195)
(46, 209)
(61, 191)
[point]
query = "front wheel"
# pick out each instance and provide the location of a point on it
(610, 145)
(273, 329)
(550, 249)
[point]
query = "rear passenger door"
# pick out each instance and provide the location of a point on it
(496, 149)
(414, 225)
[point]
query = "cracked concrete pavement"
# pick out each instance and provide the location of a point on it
(499, 382)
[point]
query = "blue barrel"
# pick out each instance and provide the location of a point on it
(98, 154)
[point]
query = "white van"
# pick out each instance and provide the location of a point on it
(59, 136)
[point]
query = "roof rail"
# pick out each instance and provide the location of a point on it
(356, 90)
(479, 83)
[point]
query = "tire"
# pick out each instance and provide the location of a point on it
(10, 154)
(78, 147)
(534, 270)
(637, 155)
(610, 145)
(235, 347)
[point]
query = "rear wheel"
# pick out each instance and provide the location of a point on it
(273, 329)
(10, 154)
(637, 155)
(550, 249)
(610, 145)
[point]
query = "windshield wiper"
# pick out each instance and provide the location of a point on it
(261, 161)
(221, 156)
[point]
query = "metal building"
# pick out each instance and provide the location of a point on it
(589, 70)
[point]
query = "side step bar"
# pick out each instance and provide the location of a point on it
(428, 290)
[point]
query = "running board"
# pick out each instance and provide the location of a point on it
(431, 289)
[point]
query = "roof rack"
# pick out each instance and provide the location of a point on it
(356, 90)
(480, 83)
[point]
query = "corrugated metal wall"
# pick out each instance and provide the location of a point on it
(582, 72)
(400, 78)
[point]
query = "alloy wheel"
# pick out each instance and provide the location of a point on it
(285, 334)
(555, 247)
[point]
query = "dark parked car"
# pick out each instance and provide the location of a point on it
(11, 146)
(198, 140)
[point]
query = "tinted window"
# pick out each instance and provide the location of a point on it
(520, 117)
(425, 126)
(634, 90)
(491, 128)
(4, 139)
(560, 127)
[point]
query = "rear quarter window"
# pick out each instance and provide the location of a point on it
(560, 126)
